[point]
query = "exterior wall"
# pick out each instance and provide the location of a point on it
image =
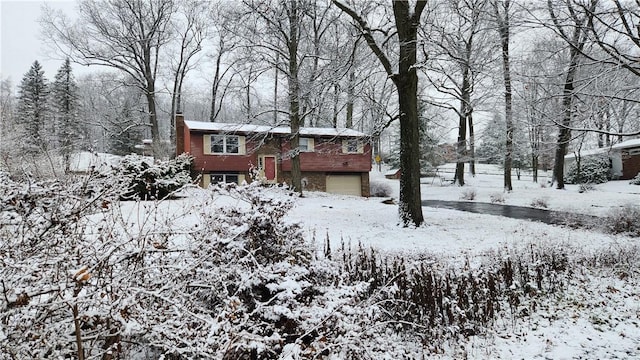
(328, 156)
(630, 164)
(212, 163)
(366, 186)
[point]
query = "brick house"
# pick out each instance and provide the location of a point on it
(624, 157)
(332, 160)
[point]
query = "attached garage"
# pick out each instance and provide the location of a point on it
(344, 184)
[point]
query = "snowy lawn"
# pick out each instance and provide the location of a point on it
(470, 286)
(595, 317)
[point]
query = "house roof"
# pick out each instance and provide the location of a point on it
(588, 152)
(282, 130)
(627, 144)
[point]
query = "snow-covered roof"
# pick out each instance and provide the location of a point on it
(589, 152)
(627, 144)
(250, 128)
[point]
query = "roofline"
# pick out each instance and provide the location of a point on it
(234, 128)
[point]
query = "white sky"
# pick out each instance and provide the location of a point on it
(20, 39)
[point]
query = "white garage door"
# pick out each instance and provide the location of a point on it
(344, 184)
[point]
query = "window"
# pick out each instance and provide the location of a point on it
(305, 144)
(223, 144)
(352, 146)
(634, 152)
(223, 178)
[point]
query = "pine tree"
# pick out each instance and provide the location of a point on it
(64, 104)
(33, 110)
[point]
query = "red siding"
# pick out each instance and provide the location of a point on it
(328, 156)
(219, 162)
(630, 165)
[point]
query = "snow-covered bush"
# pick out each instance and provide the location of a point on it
(635, 180)
(496, 198)
(109, 279)
(540, 203)
(146, 179)
(624, 220)
(380, 189)
(592, 170)
(469, 194)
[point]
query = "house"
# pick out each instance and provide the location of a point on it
(393, 174)
(332, 160)
(627, 157)
(624, 157)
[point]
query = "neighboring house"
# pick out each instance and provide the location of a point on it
(393, 174)
(332, 160)
(624, 157)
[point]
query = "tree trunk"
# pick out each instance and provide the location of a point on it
(472, 146)
(294, 99)
(407, 83)
(410, 197)
(461, 146)
(275, 91)
(336, 97)
(350, 97)
(534, 167)
(214, 90)
(564, 133)
(504, 30)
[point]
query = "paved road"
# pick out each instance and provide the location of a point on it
(518, 212)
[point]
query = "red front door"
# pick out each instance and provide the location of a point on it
(270, 167)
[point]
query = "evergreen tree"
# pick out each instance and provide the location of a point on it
(64, 104)
(33, 110)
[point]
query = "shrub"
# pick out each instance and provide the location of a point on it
(539, 203)
(624, 220)
(380, 189)
(592, 170)
(635, 180)
(496, 198)
(147, 180)
(468, 194)
(586, 188)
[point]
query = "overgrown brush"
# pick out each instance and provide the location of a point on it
(624, 220)
(445, 303)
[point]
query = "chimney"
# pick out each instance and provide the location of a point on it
(179, 133)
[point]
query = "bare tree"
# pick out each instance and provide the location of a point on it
(127, 35)
(570, 25)
(191, 30)
(462, 50)
(407, 22)
(225, 42)
(502, 11)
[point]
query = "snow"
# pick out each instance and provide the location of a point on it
(595, 316)
(85, 161)
(602, 324)
(627, 144)
(281, 130)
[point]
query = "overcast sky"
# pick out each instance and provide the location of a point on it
(20, 39)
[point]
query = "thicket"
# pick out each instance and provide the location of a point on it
(635, 180)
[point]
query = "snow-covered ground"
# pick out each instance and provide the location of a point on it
(596, 318)
(371, 222)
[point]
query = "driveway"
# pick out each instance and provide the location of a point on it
(518, 212)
